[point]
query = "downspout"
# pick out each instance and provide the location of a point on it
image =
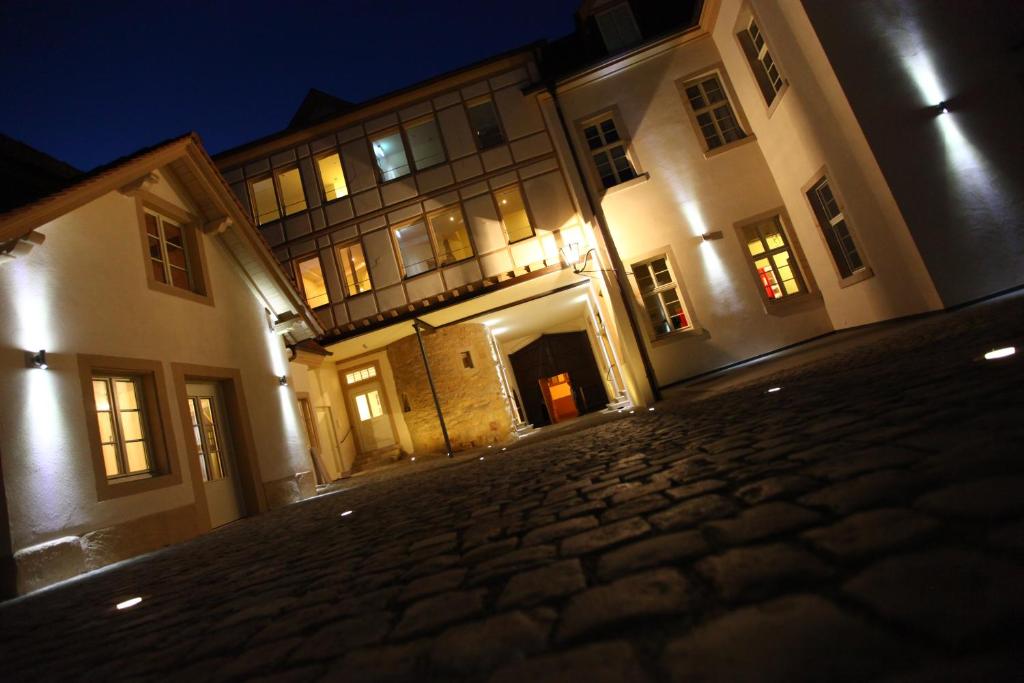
(606, 234)
(433, 391)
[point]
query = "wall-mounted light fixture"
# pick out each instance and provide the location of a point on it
(573, 259)
(942, 107)
(712, 235)
(37, 360)
(283, 380)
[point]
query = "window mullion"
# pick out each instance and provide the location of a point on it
(121, 446)
(163, 250)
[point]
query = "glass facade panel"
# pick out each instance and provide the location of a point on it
(353, 268)
(451, 236)
(293, 199)
(483, 118)
(264, 199)
(312, 276)
(389, 152)
(513, 213)
(332, 176)
(414, 248)
(425, 143)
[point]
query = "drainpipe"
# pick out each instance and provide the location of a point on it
(606, 234)
(430, 380)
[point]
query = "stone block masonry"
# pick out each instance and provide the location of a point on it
(476, 409)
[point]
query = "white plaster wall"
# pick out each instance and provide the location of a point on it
(324, 389)
(686, 195)
(812, 126)
(84, 291)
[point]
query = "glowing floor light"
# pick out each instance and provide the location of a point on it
(996, 354)
(774, 389)
(131, 602)
(346, 513)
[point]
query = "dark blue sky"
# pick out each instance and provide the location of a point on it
(89, 81)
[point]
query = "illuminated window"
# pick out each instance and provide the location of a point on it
(332, 176)
(483, 119)
(712, 112)
(450, 236)
(766, 72)
(608, 151)
(414, 249)
(425, 143)
(311, 275)
(369, 405)
(660, 296)
(833, 227)
(389, 152)
(361, 375)
(618, 28)
(277, 195)
(208, 442)
(168, 253)
(353, 268)
(773, 258)
(513, 213)
(124, 439)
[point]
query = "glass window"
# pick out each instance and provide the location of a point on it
(292, 198)
(312, 276)
(122, 426)
(353, 268)
(204, 429)
(389, 152)
(425, 143)
(414, 248)
(483, 118)
(713, 113)
(513, 213)
(618, 28)
(833, 227)
(608, 151)
(369, 405)
(451, 236)
(168, 256)
(660, 296)
(264, 199)
(777, 270)
(360, 375)
(766, 72)
(332, 176)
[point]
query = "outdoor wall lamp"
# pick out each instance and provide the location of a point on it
(572, 257)
(283, 380)
(942, 107)
(37, 360)
(713, 235)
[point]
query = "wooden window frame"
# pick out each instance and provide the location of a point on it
(341, 269)
(301, 286)
(803, 272)
(698, 77)
(608, 9)
(753, 56)
(195, 256)
(320, 179)
(653, 334)
(526, 207)
(411, 158)
(153, 401)
(625, 141)
(385, 132)
(865, 272)
(466, 105)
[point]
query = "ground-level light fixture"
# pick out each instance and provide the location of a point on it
(503, 448)
(283, 380)
(346, 513)
(650, 410)
(413, 459)
(994, 354)
(130, 602)
(37, 359)
(481, 457)
(774, 389)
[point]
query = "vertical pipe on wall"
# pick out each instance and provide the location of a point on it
(433, 391)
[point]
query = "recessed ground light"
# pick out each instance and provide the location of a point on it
(650, 410)
(130, 602)
(346, 513)
(631, 412)
(414, 458)
(503, 448)
(481, 457)
(774, 389)
(490, 445)
(996, 354)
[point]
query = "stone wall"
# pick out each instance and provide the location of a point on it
(473, 400)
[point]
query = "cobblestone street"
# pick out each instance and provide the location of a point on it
(864, 522)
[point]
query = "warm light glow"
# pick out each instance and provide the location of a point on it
(481, 457)
(131, 602)
(995, 354)
(650, 410)
(498, 330)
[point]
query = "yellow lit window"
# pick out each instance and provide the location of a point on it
(777, 270)
(369, 405)
(451, 236)
(332, 176)
(292, 198)
(353, 268)
(264, 199)
(360, 375)
(513, 213)
(121, 421)
(312, 276)
(204, 428)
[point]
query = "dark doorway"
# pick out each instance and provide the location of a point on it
(551, 355)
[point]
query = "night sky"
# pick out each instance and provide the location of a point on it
(91, 81)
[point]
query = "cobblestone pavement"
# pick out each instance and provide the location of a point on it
(864, 522)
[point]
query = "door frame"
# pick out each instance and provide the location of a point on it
(246, 464)
(346, 390)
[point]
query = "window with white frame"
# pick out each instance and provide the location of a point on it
(773, 258)
(660, 296)
(618, 28)
(168, 252)
(766, 71)
(608, 151)
(833, 226)
(124, 438)
(712, 112)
